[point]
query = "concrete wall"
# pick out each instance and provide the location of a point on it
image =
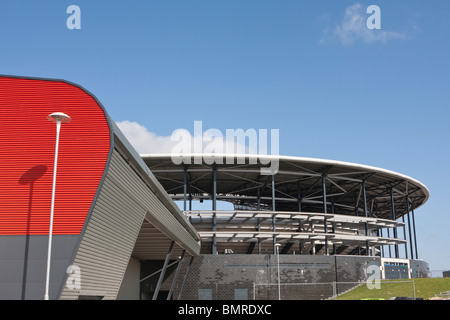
(227, 277)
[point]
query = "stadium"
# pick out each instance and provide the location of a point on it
(130, 226)
(326, 220)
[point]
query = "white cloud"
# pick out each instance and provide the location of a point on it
(212, 145)
(213, 141)
(143, 140)
(353, 28)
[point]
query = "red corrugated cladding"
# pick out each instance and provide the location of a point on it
(27, 149)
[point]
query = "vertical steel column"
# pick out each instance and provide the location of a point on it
(273, 215)
(409, 228)
(366, 226)
(190, 195)
(163, 271)
(414, 228)
(389, 246)
(380, 234)
(185, 189)
(188, 184)
(299, 198)
(214, 188)
(273, 192)
(169, 296)
(325, 226)
(214, 226)
(324, 194)
(258, 200)
(333, 230)
(394, 218)
(357, 214)
(404, 237)
(259, 224)
(185, 277)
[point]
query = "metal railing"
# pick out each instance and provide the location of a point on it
(445, 294)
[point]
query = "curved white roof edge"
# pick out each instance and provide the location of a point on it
(300, 159)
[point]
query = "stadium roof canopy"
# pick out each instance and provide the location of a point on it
(296, 177)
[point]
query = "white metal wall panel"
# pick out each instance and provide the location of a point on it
(107, 241)
(159, 214)
(113, 227)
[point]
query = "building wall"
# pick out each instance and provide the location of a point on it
(101, 197)
(394, 268)
(226, 277)
(111, 232)
(27, 155)
(23, 262)
(420, 269)
(109, 237)
(129, 289)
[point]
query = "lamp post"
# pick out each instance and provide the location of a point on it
(278, 266)
(59, 118)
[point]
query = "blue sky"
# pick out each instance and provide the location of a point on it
(333, 89)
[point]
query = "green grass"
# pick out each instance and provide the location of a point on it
(424, 288)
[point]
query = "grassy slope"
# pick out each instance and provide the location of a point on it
(425, 288)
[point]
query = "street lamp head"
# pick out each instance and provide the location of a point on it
(58, 116)
(277, 246)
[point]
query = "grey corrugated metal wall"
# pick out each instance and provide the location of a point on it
(113, 227)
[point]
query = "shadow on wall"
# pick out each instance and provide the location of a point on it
(29, 178)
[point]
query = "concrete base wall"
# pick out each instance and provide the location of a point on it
(229, 277)
(23, 265)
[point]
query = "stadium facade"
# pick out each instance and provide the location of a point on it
(125, 227)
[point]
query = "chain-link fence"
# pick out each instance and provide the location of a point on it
(334, 290)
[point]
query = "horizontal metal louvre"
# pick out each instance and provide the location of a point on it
(27, 147)
(113, 227)
(160, 215)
